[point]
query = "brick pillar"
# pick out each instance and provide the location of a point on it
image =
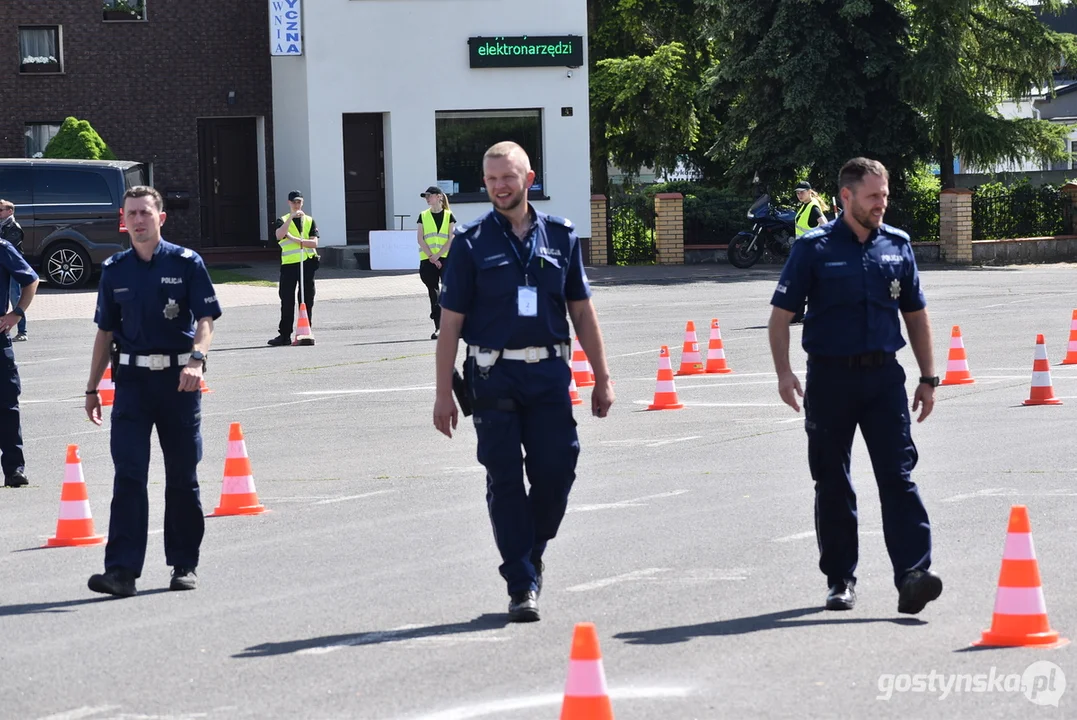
(599, 230)
(1070, 191)
(955, 225)
(669, 228)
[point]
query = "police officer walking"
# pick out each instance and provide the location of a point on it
(858, 275)
(514, 273)
(155, 311)
(11, 231)
(297, 234)
(13, 271)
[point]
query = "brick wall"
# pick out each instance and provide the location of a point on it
(955, 225)
(669, 228)
(599, 230)
(143, 85)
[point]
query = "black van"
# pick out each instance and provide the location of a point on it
(70, 213)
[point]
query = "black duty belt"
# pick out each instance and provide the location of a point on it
(866, 360)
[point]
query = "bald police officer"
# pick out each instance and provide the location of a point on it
(511, 276)
(858, 275)
(155, 311)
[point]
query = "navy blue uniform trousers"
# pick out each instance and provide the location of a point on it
(144, 399)
(543, 426)
(12, 458)
(836, 400)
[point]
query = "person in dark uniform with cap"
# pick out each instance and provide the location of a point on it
(155, 311)
(13, 271)
(513, 274)
(858, 275)
(297, 235)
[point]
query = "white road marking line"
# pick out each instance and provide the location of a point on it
(366, 391)
(400, 637)
(468, 469)
(354, 497)
(83, 712)
(641, 352)
(985, 492)
(296, 498)
(498, 708)
(633, 502)
(20, 363)
(796, 536)
(616, 579)
(650, 442)
(713, 405)
(1023, 300)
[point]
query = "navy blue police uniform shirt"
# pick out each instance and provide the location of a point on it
(153, 307)
(488, 265)
(13, 266)
(854, 290)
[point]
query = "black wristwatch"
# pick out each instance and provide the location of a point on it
(200, 357)
(932, 381)
(19, 311)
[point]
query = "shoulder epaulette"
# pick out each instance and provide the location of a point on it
(896, 232)
(118, 257)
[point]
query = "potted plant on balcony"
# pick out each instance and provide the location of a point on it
(124, 9)
(39, 64)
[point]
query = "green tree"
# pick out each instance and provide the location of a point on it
(77, 140)
(647, 63)
(969, 55)
(804, 85)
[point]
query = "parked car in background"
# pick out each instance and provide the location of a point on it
(70, 211)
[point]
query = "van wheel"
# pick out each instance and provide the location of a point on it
(66, 266)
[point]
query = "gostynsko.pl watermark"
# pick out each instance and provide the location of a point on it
(1042, 683)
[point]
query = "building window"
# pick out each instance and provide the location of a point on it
(124, 10)
(39, 50)
(38, 136)
(464, 135)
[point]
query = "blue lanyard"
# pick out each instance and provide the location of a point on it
(524, 266)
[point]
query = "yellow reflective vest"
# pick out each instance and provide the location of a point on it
(292, 252)
(804, 215)
(435, 237)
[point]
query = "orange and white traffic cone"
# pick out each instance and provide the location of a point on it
(573, 393)
(716, 352)
(204, 388)
(581, 366)
(586, 696)
(106, 388)
(75, 525)
(665, 392)
(957, 364)
(691, 360)
(1071, 350)
(1020, 617)
(1042, 393)
(238, 496)
(303, 334)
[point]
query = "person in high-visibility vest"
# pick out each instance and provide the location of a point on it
(297, 235)
(434, 234)
(811, 212)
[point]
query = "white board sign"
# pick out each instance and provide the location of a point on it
(285, 27)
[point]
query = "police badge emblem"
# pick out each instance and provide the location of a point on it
(895, 289)
(172, 309)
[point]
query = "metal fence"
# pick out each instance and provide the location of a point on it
(630, 230)
(1019, 211)
(918, 216)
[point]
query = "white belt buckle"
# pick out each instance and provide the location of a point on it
(531, 354)
(158, 362)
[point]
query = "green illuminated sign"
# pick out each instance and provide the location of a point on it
(526, 51)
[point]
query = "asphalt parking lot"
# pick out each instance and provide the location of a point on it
(370, 588)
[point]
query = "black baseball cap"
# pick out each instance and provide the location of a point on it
(295, 195)
(432, 190)
(803, 185)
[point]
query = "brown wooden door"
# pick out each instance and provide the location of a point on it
(228, 164)
(364, 176)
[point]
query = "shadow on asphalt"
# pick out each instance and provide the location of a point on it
(486, 621)
(68, 605)
(755, 623)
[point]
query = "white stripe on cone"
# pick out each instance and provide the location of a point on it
(585, 679)
(1041, 379)
(1020, 601)
(956, 343)
(237, 449)
(74, 509)
(238, 485)
(1019, 547)
(957, 365)
(665, 386)
(73, 473)
(1041, 352)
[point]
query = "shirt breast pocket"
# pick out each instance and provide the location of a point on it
(887, 288)
(175, 306)
(551, 275)
(496, 280)
(840, 284)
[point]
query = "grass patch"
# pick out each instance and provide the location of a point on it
(223, 277)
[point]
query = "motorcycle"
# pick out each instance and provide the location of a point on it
(774, 230)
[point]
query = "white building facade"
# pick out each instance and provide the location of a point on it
(375, 100)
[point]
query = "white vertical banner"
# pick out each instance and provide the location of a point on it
(285, 27)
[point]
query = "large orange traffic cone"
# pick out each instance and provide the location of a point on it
(75, 526)
(238, 496)
(1020, 617)
(715, 351)
(573, 393)
(303, 334)
(106, 388)
(586, 696)
(1042, 393)
(665, 392)
(957, 364)
(691, 360)
(1071, 351)
(581, 366)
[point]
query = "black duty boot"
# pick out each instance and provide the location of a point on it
(280, 341)
(183, 578)
(842, 596)
(918, 589)
(117, 581)
(16, 479)
(523, 607)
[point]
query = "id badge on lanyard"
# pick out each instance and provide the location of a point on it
(526, 296)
